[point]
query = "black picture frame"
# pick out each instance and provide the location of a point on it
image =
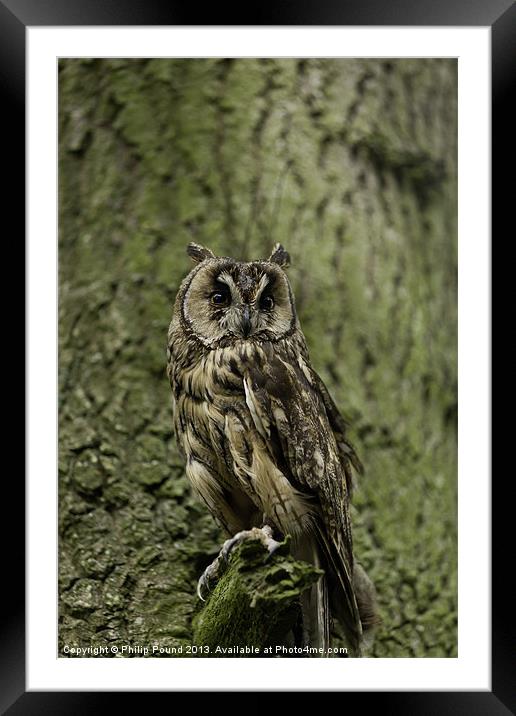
(500, 15)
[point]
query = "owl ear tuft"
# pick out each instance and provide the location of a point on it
(280, 256)
(199, 253)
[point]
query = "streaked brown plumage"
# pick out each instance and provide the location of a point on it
(262, 438)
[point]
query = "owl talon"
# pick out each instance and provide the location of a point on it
(211, 573)
(201, 586)
(268, 541)
(264, 534)
(272, 547)
(230, 544)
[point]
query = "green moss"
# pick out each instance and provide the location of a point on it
(88, 474)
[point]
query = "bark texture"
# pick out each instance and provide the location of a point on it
(351, 164)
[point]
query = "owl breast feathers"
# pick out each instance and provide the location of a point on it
(263, 440)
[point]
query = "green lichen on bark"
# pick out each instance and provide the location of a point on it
(351, 164)
(256, 601)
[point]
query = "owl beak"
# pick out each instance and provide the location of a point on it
(246, 321)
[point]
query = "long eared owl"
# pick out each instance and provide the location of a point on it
(263, 441)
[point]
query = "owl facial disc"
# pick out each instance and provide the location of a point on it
(224, 300)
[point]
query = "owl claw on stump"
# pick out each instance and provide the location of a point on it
(212, 571)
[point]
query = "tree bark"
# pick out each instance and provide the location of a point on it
(351, 164)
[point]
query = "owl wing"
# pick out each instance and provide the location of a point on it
(348, 457)
(288, 409)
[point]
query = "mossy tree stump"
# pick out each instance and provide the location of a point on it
(255, 602)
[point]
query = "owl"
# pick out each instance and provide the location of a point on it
(264, 444)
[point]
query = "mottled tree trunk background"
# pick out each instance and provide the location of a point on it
(351, 164)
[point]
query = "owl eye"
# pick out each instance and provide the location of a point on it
(219, 299)
(267, 302)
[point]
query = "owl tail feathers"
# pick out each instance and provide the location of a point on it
(349, 597)
(346, 611)
(367, 604)
(360, 635)
(315, 609)
(342, 597)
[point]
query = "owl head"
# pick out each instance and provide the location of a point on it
(223, 301)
